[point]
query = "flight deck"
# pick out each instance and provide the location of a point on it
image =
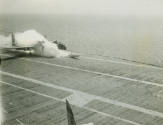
(103, 91)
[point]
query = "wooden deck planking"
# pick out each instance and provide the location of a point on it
(134, 93)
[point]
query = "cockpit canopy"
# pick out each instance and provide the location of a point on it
(60, 45)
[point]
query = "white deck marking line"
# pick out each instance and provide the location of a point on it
(86, 108)
(107, 100)
(114, 61)
(129, 62)
(79, 99)
(122, 62)
(20, 123)
(29, 90)
(98, 73)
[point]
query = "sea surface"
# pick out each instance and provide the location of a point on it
(132, 38)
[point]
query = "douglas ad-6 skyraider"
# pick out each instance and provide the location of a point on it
(32, 43)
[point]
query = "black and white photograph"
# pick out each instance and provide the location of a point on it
(81, 62)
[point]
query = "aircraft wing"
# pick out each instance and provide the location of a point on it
(16, 48)
(13, 52)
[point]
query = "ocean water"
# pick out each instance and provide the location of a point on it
(133, 38)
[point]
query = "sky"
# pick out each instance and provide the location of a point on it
(108, 7)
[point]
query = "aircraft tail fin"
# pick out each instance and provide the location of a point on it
(70, 115)
(13, 39)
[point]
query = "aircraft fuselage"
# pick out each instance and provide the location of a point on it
(40, 46)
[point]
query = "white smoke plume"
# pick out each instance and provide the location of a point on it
(5, 41)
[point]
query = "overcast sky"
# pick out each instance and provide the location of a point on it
(111, 7)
